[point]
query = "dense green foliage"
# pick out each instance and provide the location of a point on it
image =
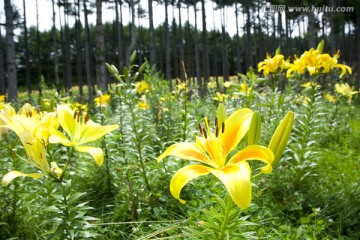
(312, 194)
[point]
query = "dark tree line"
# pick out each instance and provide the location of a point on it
(75, 55)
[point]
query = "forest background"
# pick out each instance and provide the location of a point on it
(74, 50)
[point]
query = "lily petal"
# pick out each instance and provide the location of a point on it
(95, 152)
(58, 137)
(14, 174)
(236, 178)
(185, 175)
(255, 152)
(92, 131)
(188, 151)
(66, 119)
(236, 126)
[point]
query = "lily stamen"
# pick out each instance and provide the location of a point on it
(87, 118)
(204, 131)
(223, 127)
(200, 128)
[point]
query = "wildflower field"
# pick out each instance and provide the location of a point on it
(269, 154)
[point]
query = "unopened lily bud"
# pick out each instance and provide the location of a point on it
(55, 169)
(281, 136)
(133, 57)
(254, 130)
(221, 114)
(320, 46)
(112, 69)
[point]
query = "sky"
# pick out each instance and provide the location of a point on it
(45, 15)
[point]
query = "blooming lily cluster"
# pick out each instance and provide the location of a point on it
(344, 90)
(313, 62)
(212, 150)
(103, 100)
(37, 129)
(274, 64)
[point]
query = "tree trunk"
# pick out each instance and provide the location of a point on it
(287, 47)
(63, 60)
(205, 51)
(358, 48)
(181, 46)
(119, 31)
(68, 78)
(197, 55)
(10, 53)
(334, 31)
(2, 68)
(311, 30)
(100, 49)
(225, 58)
(133, 32)
(152, 35)
(248, 47)
(87, 55)
(167, 45)
(38, 44)
(175, 53)
(238, 57)
(78, 49)
(56, 65)
(26, 46)
(280, 27)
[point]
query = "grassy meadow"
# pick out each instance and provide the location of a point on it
(73, 169)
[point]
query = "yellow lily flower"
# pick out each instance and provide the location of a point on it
(211, 85)
(220, 97)
(28, 120)
(330, 97)
(102, 101)
(273, 64)
(80, 107)
(245, 90)
(142, 87)
(316, 62)
(212, 150)
(33, 131)
(36, 156)
(310, 84)
(227, 84)
(81, 130)
(345, 90)
(6, 111)
(143, 105)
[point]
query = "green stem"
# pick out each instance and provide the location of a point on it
(106, 159)
(15, 193)
(65, 212)
(225, 223)
(138, 144)
(185, 116)
(347, 118)
(71, 154)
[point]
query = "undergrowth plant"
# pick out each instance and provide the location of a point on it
(298, 115)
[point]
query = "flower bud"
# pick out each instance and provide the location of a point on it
(281, 136)
(254, 130)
